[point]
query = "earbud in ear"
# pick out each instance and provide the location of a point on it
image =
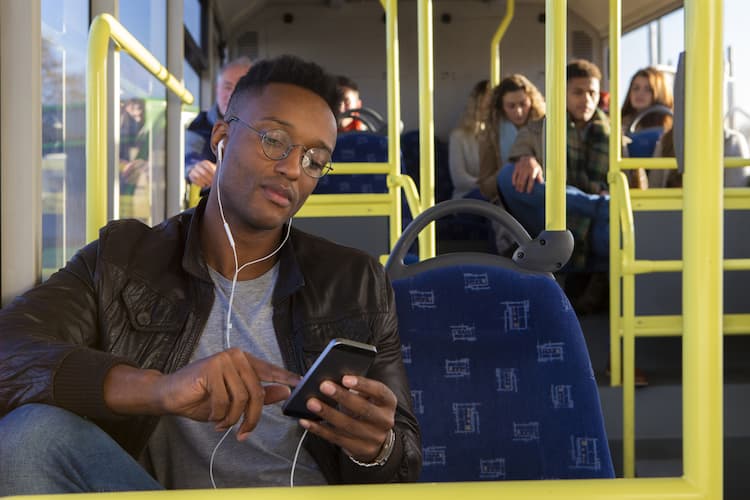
(220, 150)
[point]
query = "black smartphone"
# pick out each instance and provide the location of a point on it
(340, 357)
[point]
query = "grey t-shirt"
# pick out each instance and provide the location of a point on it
(180, 448)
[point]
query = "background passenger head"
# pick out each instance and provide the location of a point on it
(518, 100)
(648, 87)
(229, 75)
(582, 95)
(350, 98)
(477, 107)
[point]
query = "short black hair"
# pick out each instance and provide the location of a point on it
(287, 69)
(581, 68)
(345, 81)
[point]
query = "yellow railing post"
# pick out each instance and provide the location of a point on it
(394, 114)
(426, 126)
(702, 247)
(103, 28)
(555, 161)
(497, 38)
(615, 154)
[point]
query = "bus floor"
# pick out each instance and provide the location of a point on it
(659, 405)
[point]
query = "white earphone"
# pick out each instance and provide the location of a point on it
(220, 151)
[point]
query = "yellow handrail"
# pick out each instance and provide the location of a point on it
(426, 127)
(103, 28)
(497, 38)
(556, 150)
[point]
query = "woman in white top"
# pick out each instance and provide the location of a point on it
(463, 148)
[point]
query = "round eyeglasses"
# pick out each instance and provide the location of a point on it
(276, 145)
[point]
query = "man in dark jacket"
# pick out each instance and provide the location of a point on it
(200, 160)
(170, 338)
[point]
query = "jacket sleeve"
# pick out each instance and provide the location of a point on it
(528, 143)
(48, 343)
(405, 462)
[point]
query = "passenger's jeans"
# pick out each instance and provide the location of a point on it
(528, 209)
(44, 449)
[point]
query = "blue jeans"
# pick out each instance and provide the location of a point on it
(528, 209)
(45, 449)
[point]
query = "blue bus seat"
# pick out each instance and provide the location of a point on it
(356, 147)
(643, 142)
(500, 375)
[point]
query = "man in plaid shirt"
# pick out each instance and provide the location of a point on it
(522, 183)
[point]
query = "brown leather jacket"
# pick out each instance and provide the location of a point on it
(142, 296)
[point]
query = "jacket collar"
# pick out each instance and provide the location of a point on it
(290, 275)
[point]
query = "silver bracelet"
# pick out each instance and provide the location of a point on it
(383, 456)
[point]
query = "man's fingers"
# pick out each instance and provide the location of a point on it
(276, 393)
(376, 391)
(268, 372)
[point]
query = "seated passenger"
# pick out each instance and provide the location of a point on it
(350, 99)
(463, 149)
(522, 183)
(200, 160)
(514, 103)
(140, 349)
(647, 88)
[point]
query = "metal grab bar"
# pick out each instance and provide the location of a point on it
(103, 28)
(497, 38)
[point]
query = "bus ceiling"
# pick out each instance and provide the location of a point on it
(233, 14)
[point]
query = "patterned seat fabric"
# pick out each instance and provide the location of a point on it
(355, 147)
(500, 377)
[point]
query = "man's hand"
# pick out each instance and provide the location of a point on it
(219, 389)
(527, 171)
(366, 413)
(202, 173)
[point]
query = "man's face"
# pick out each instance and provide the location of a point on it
(351, 100)
(225, 86)
(259, 193)
(582, 98)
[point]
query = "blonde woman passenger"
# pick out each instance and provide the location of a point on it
(463, 147)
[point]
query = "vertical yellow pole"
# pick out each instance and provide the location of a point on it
(426, 126)
(96, 128)
(394, 112)
(555, 161)
(615, 154)
(702, 247)
(497, 38)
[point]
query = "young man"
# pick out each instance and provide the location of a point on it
(200, 160)
(153, 342)
(522, 183)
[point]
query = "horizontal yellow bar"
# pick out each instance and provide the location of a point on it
(651, 266)
(671, 199)
(589, 489)
(672, 266)
(360, 168)
(736, 264)
(670, 163)
(671, 325)
(346, 205)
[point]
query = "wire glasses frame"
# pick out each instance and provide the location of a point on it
(276, 145)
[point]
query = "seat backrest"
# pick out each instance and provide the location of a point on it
(500, 376)
(355, 147)
(643, 142)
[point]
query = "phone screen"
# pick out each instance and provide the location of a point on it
(340, 357)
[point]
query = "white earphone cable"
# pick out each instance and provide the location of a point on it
(228, 321)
